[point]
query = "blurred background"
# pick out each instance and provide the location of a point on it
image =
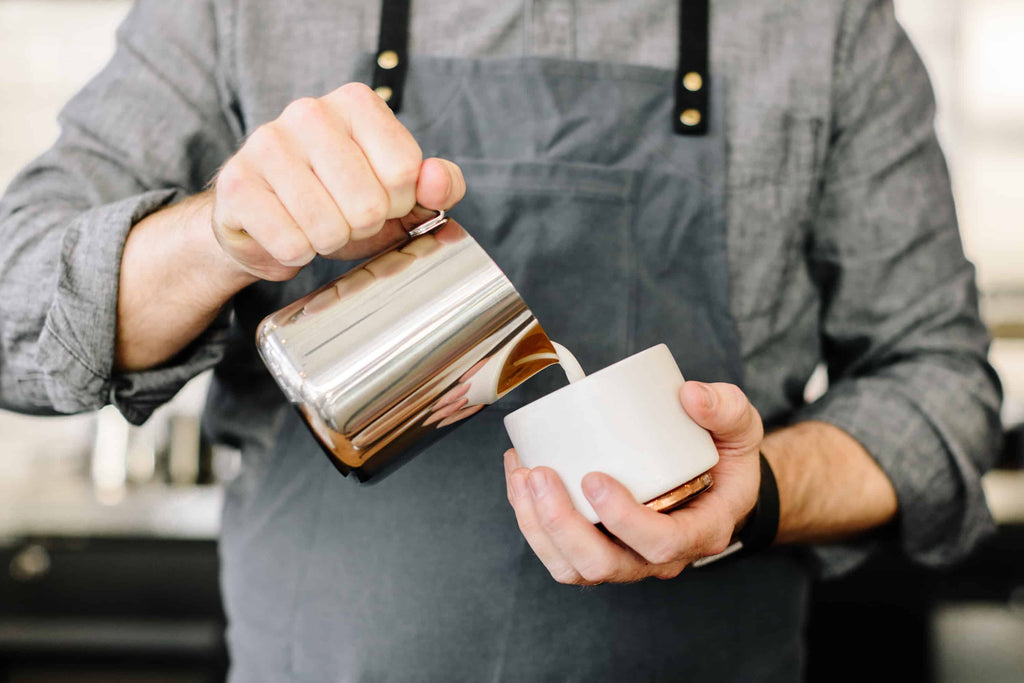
(107, 532)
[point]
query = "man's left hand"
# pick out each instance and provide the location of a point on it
(645, 543)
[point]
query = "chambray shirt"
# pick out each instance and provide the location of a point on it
(842, 238)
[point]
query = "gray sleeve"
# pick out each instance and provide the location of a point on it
(152, 127)
(905, 348)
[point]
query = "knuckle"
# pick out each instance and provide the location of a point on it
(356, 91)
(716, 539)
(264, 140)
(743, 412)
(739, 417)
(528, 527)
(303, 111)
(757, 425)
(668, 572)
(597, 571)
(459, 174)
(231, 181)
(735, 400)
(292, 251)
(564, 575)
(278, 273)
(405, 172)
(616, 516)
(369, 215)
(717, 544)
(663, 553)
(328, 239)
(551, 520)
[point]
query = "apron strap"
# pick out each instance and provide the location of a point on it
(392, 52)
(693, 80)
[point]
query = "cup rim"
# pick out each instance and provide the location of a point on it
(574, 386)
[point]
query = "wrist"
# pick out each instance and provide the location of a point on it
(760, 527)
(224, 274)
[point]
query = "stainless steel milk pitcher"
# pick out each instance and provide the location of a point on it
(399, 350)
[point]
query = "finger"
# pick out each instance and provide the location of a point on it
(391, 235)
(452, 395)
(301, 192)
(512, 460)
(672, 540)
(422, 247)
(256, 214)
(706, 526)
(652, 535)
(390, 148)
(724, 410)
(519, 497)
(440, 185)
(389, 264)
(340, 164)
(591, 553)
(462, 414)
(441, 412)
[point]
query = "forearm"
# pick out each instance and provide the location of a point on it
(174, 281)
(829, 487)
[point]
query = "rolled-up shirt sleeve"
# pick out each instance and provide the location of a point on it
(905, 347)
(150, 129)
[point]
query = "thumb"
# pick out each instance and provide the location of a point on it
(440, 184)
(724, 410)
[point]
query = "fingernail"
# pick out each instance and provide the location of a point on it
(594, 487)
(707, 396)
(538, 484)
(509, 464)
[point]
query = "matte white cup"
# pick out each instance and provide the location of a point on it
(625, 421)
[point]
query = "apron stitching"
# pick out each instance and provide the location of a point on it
(449, 104)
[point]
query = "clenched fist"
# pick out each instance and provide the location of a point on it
(338, 176)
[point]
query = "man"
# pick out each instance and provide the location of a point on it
(810, 222)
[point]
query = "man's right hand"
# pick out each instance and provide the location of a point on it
(338, 176)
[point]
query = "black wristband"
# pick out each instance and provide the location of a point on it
(763, 524)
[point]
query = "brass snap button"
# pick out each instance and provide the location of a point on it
(693, 81)
(690, 117)
(387, 59)
(384, 92)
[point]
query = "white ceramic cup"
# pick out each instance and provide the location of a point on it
(625, 420)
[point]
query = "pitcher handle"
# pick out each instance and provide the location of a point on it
(436, 222)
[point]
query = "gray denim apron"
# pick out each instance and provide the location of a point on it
(612, 228)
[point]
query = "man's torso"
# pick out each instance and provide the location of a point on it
(424, 576)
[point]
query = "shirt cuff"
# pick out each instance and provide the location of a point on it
(76, 347)
(942, 511)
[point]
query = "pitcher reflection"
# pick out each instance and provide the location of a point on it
(395, 352)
